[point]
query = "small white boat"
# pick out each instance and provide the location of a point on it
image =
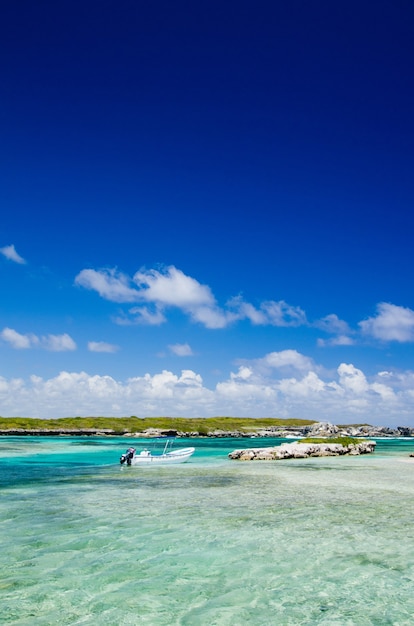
(146, 457)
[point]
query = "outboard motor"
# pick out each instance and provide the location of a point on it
(127, 457)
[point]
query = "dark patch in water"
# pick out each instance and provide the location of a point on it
(88, 443)
(325, 468)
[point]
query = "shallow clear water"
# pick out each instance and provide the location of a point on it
(210, 542)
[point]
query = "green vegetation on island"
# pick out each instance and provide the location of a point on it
(133, 424)
(344, 441)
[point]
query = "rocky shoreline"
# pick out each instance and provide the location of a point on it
(319, 429)
(299, 450)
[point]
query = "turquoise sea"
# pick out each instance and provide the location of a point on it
(211, 542)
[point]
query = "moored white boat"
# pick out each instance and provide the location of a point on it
(146, 457)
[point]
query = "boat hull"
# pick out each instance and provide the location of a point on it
(177, 456)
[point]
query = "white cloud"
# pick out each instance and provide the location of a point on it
(181, 349)
(282, 314)
(270, 313)
(102, 346)
(353, 379)
(340, 340)
(291, 359)
(392, 323)
(347, 395)
(173, 288)
(58, 343)
(243, 373)
(10, 253)
(211, 317)
(109, 283)
(386, 393)
(17, 340)
(309, 385)
(143, 315)
(155, 291)
(332, 324)
(245, 310)
(53, 343)
(169, 288)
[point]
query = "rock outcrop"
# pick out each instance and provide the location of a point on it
(326, 429)
(322, 429)
(299, 450)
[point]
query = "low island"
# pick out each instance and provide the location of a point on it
(231, 427)
(337, 446)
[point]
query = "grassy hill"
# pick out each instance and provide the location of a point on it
(120, 425)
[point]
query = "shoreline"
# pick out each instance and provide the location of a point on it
(318, 429)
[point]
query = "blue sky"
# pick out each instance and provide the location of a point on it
(207, 209)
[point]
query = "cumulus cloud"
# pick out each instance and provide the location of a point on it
(392, 323)
(158, 289)
(346, 395)
(53, 343)
(283, 363)
(11, 254)
(353, 379)
(173, 288)
(291, 358)
(282, 314)
(307, 387)
(102, 346)
(17, 340)
(270, 313)
(154, 291)
(244, 310)
(332, 324)
(181, 349)
(58, 343)
(109, 283)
